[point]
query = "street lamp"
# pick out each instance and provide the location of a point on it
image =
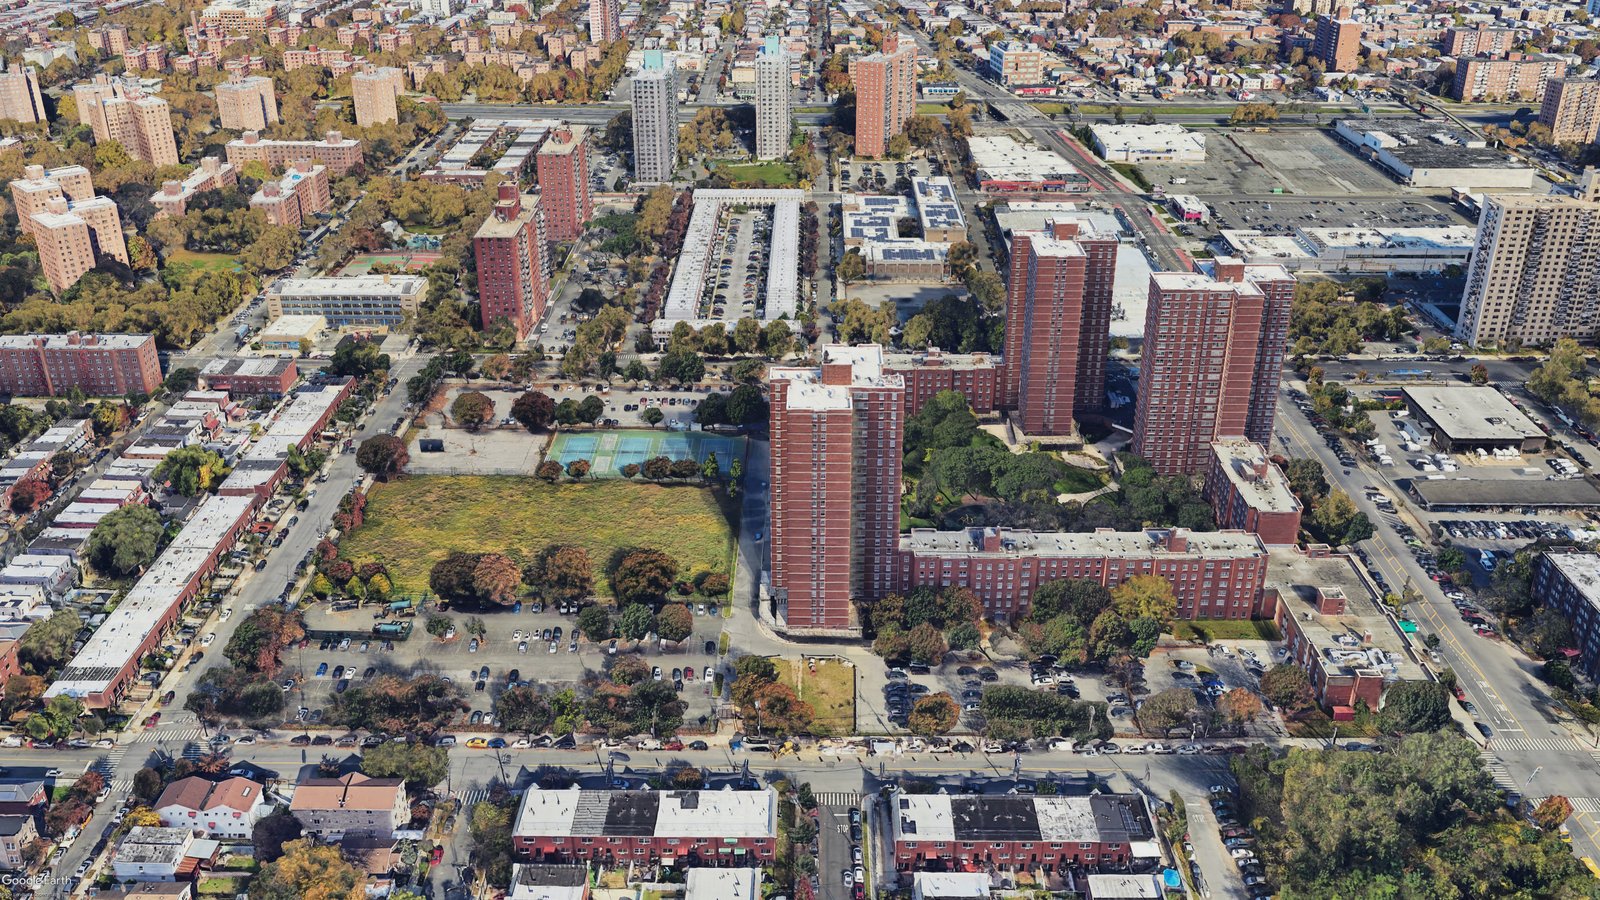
(757, 705)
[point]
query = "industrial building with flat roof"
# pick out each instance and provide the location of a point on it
(938, 211)
(1419, 249)
(717, 828)
(1463, 418)
(1335, 628)
(1432, 153)
(1019, 832)
(1006, 165)
(384, 300)
(1161, 142)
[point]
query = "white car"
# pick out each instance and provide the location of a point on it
(516, 635)
(1242, 853)
(225, 614)
(1188, 749)
(208, 639)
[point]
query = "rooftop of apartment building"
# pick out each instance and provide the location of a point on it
(1151, 544)
(1254, 476)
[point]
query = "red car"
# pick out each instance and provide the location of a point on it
(152, 720)
(672, 745)
(437, 856)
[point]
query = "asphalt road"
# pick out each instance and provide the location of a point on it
(1529, 752)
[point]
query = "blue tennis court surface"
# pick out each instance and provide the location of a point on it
(608, 451)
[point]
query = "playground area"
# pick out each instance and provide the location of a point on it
(608, 451)
(405, 260)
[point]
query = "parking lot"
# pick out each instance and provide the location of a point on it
(514, 648)
(739, 287)
(868, 176)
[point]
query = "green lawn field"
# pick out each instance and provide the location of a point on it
(415, 521)
(760, 175)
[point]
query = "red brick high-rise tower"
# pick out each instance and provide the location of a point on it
(563, 163)
(886, 94)
(1058, 321)
(1212, 359)
(836, 439)
(513, 262)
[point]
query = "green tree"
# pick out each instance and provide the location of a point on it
(643, 575)
(306, 870)
(191, 470)
(1287, 687)
(420, 765)
(594, 622)
(636, 621)
(383, 455)
(674, 622)
(1167, 710)
(523, 710)
(1415, 706)
(124, 541)
(933, 715)
(562, 572)
(1145, 596)
(534, 411)
(472, 410)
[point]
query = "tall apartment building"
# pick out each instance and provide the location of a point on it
(33, 192)
(1212, 359)
(1534, 275)
(836, 439)
(301, 192)
(975, 376)
(335, 151)
(117, 110)
(655, 119)
(102, 365)
(148, 58)
(563, 164)
(773, 126)
(1480, 41)
(1571, 110)
(605, 21)
(111, 40)
(247, 103)
(1013, 62)
(69, 224)
(1517, 77)
(71, 236)
(513, 259)
(20, 100)
(376, 92)
(886, 94)
(1337, 44)
(1058, 323)
(211, 175)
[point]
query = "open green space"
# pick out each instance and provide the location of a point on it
(932, 109)
(1214, 630)
(414, 522)
(218, 261)
(767, 174)
(831, 691)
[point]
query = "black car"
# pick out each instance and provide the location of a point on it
(514, 675)
(1484, 730)
(371, 670)
(481, 685)
(855, 831)
(344, 683)
(699, 745)
(988, 674)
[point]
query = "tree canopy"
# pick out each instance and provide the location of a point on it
(125, 540)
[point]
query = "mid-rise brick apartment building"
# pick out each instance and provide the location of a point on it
(211, 175)
(513, 258)
(1058, 321)
(616, 828)
(72, 236)
(1249, 493)
(117, 110)
(1335, 628)
(101, 365)
(981, 832)
(376, 92)
(302, 192)
(605, 21)
(251, 376)
(1215, 575)
(563, 164)
(335, 808)
(886, 94)
(1211, 363)
(337, 153)
(1568, 582)
(1480, 40)
(1534, 274)
(33, 192)
(1016, 63)
(1571, 110)
(836, 439)
(1516, 77)
(19, 95)
(976, 376)
(247, 103)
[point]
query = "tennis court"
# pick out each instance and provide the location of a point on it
(409, 261)
(608, 451)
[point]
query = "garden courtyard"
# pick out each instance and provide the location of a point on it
(413, 522)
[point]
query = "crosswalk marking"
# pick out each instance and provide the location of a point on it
(471, 796)
(1498, 771)
(1533, 743)
(170, 734)
(837, 798)
(1585, 804)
